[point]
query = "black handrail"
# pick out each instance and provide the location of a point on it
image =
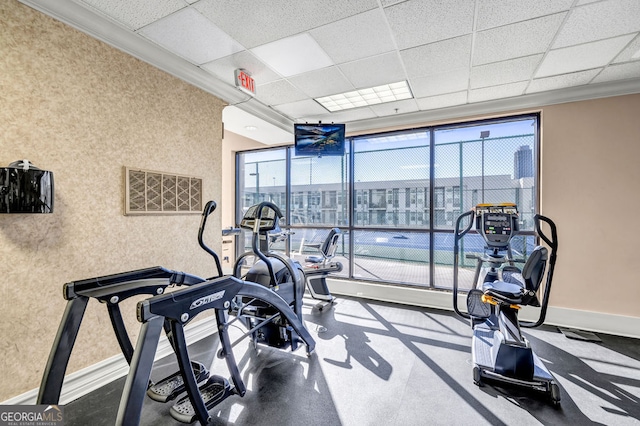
(256, 237)
(553, 245)
(456, 255)
(208, 209)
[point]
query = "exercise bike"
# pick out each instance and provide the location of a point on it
(318, 267)
(500, 351)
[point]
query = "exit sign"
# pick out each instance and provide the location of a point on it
(244, 82)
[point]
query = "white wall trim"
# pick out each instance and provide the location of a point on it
(104, 372)
(619, 325)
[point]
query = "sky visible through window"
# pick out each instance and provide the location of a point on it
(413, 162)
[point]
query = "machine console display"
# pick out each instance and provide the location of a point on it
(268, 221)
(497, 223)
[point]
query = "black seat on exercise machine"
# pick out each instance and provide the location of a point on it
(327, 248)
(521, 288)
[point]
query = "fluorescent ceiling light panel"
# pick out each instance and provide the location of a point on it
(364, 97)
(293, 55)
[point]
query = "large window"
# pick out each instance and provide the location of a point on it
(261, 176)
(396, 196)
(323, 184)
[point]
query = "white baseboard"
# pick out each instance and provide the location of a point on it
(619, 325)
(95, 376)
(104, 372)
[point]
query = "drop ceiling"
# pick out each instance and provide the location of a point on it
(459, 57)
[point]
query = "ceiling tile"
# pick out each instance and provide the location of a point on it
(437, 57)
(278, 93)
(516, 40)
(599, 20)
(497, 92)
(136, 14)
(388, 69)
(356, 37)
(442, 101)
(323, 82)
(254, 23)
(416, 22)
(504, 72)
(398, 107)
(345, 116)
(224, 68)
(191, 36)
(562, 81)
(437, 84)
(299, 109)
(494, 13)
(582, 57)
(631, 52)
(293, 55)
(619, 72)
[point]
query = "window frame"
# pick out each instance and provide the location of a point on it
(422, 212)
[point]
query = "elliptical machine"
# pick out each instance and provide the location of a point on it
(279, 273)
(194, 388)
(499, 350)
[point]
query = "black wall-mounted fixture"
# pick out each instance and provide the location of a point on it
(24, 188)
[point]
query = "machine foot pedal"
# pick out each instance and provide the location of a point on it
(216, 390)
(172, 386)
(475, 306)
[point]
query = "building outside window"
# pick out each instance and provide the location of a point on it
(395, 227)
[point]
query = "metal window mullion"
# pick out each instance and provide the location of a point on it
(352, 204)
(287, 197)
(460, 197)
(432, 174)
(238, 202)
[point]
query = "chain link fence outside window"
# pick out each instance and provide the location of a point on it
(398, 198)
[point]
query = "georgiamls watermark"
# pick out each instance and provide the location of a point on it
(31, 415)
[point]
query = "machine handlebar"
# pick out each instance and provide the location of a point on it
(553, 244)
(456, 254)
(208, 209)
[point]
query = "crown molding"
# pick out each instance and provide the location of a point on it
(523, 102)
(114, 34)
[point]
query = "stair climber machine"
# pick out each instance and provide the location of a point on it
(275, 271)
(500, 352)
(170, 312)
(318, 267)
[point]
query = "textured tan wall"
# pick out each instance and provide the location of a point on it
(590, 187)
(80, 108)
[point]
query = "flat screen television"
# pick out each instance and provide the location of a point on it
(319, 139)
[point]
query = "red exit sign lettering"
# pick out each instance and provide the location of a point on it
(244, 82)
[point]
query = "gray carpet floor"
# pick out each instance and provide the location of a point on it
(384, 364)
